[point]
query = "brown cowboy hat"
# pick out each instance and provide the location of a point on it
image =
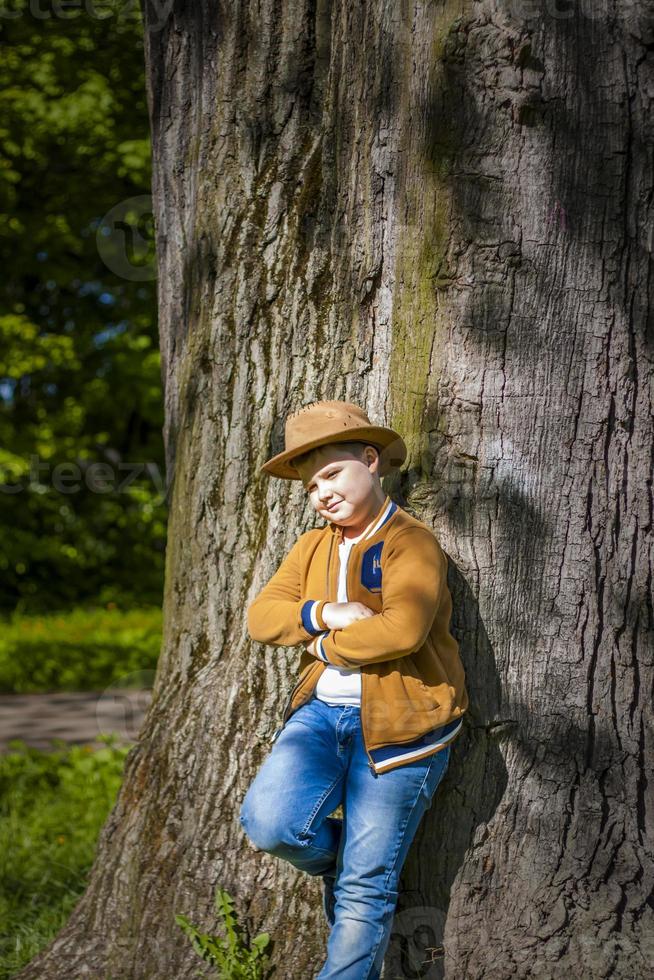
(324, 422)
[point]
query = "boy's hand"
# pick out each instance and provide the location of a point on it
(338, 615)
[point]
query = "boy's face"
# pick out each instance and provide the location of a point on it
(336, 479)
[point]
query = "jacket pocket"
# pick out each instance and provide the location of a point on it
(418, 693)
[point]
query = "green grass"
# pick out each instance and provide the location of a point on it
(52, 806)
(81, 650)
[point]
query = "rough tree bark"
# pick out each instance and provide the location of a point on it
(442, 211)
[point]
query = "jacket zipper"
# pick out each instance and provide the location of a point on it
(329, 561)
(361, 673)
(363, 732)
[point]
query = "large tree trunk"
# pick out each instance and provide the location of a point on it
(441, 211)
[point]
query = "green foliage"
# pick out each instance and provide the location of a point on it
(229, 956)
(52, 806)
(82, 650)
(82, 475)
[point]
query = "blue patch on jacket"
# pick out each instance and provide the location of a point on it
(371, 571)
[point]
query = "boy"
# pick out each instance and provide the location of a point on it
(381, 691)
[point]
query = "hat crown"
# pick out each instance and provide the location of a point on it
(321, 419)
(323, 422)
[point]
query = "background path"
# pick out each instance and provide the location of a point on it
(74, 717)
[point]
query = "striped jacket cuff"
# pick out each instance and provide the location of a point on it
(318, 648)
(311, 616)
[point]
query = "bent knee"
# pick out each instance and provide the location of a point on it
(259, 823)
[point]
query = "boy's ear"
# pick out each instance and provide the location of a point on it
(372, 456)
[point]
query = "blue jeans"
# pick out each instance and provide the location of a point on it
(317, 762)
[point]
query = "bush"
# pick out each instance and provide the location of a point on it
(52, 806)
(81, 650)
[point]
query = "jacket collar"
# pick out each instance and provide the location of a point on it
(380, 517)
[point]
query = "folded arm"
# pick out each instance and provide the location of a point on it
(414, 575)
(280, 615)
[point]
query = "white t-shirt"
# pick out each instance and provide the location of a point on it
(341, 685)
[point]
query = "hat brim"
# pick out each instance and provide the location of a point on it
(392, 450)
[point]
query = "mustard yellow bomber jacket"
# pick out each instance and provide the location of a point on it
(413, 692)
